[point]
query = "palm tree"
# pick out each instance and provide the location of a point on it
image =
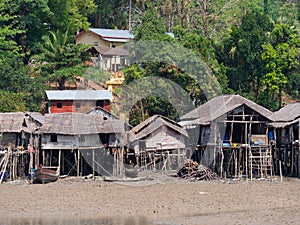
(61, 59)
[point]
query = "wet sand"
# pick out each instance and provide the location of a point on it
(159, 201)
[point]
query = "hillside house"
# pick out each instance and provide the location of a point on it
(109, 59)
(77, 100)
(104, 37)
(107, 51)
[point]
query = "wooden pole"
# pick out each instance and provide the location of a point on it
(298, 171)
(222, 159)
(43, 157)
(78, 163)
(59, 162)
(251, 165)
(63, 162)
(280, 170)
(5, 164)
(93, 162)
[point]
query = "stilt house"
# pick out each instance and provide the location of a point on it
(287, 135)
(230, 134)
(158, 139)
(80, 144)
(18, 144)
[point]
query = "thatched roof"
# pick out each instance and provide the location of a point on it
(221, 105)
(79, 123)
(12, 122)
(36, 116)
(287, 115)
(101, 111)
(153, 123)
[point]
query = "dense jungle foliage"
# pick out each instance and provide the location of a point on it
(252, 47)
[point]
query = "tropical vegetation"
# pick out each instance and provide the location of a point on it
(252, 47)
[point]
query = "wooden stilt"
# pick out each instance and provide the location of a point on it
(221, 164)
(44, 157)
(59, 162)
(93, 162)
(78, 163)
(280, 170)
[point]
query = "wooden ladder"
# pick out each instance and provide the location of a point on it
(260, 159)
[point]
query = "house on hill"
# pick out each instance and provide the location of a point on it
(158, 138)
(109, 59)
(225, 131)
(108, 53)
(104, 37)
(287, 135)
(77, 100)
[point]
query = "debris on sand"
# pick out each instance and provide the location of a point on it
(193, 170)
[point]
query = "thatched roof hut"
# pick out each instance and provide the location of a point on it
(16, 128)
(80, 123)
(158, 130)
(287, 115)
(219, 106)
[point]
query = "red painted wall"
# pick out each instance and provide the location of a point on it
(70, 106)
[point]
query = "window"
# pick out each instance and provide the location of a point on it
(81, 138)
(100, 103)
(59, 105)
(78, 105)
(53, 138)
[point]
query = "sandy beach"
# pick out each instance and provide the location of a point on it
(159, 201)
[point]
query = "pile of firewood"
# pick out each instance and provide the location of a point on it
(193, 170)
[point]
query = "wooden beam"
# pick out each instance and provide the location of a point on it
(240, 121)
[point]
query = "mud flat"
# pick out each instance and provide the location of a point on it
(158, 201)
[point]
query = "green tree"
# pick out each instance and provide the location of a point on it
(241, 53)
(60, 59)
(274, 80)
(71, 15)
(152, 27)
(205, 48)
(281, 58)
(8, 32)
(31, 16)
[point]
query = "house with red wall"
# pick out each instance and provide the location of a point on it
(80, 101)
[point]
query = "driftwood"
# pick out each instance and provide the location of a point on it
(192, 170)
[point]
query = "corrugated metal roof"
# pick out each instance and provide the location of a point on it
(79, 95)
(111, 33)
(116, 40)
